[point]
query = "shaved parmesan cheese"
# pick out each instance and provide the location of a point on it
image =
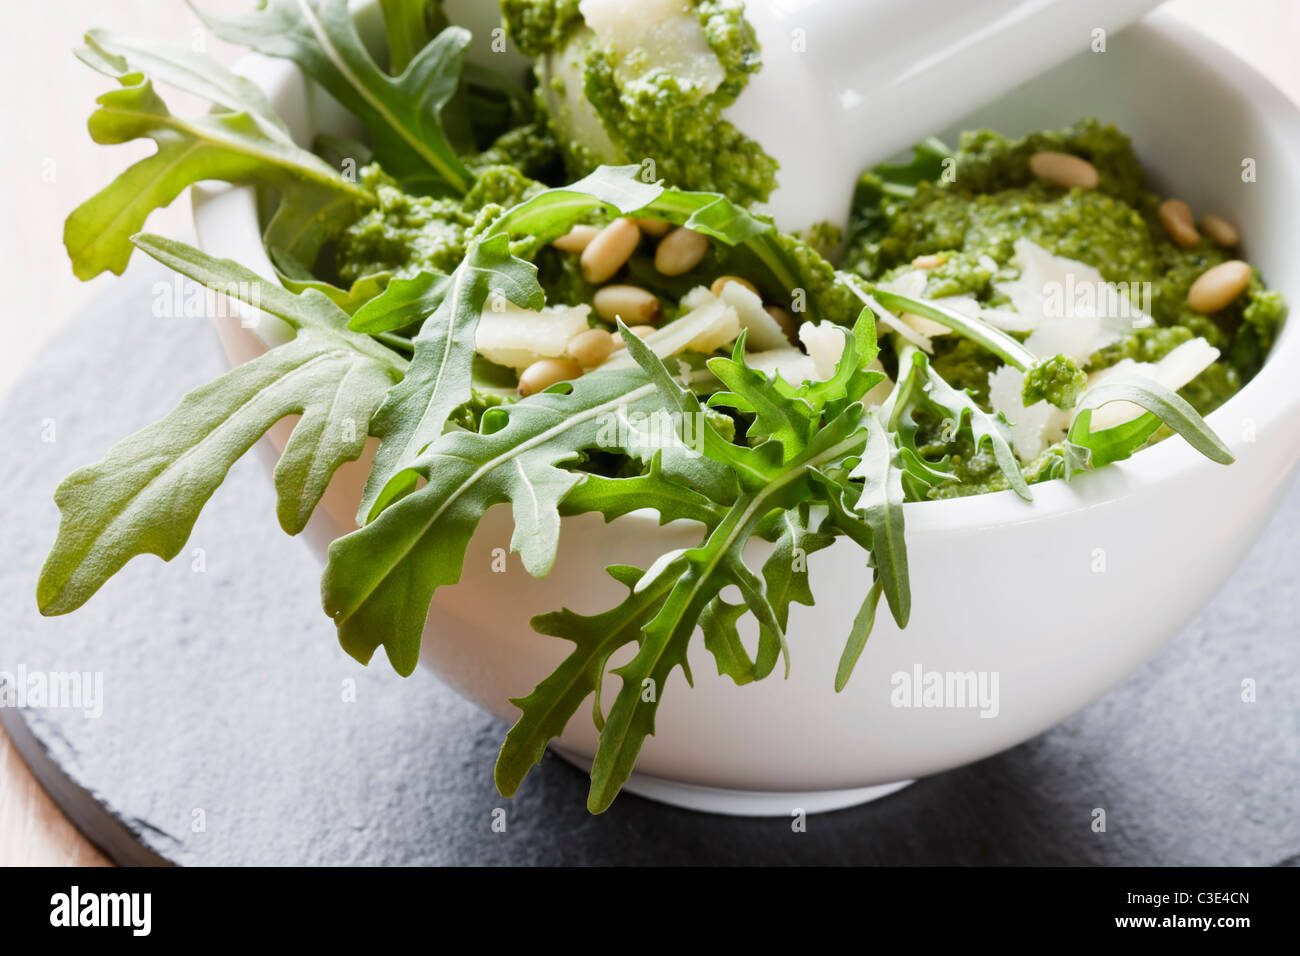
(1173, 371)
(791, 364)
(1071, 309)
(697, 297)
(764, 331)
(1032, 429)
(825, 343)
(910, 284)
(718, 325)
(703, 329)
(509, 335)
(655, 35)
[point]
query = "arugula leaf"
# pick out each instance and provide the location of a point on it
(144, 496)
(785, 574)
(615, 497)
(438, 381)
(407, 23)
(920, 389)
(779, 409)
(546, 711)
(243, 142)
(858, 634)
(958, 407)
(881, 505)
(402, 113)
(403, 302)
(698, 576)
(776, 477)
(304, 221)
(893, 181)
(777, 482)
(718, 623)
(978, 331)
(380, 579)
(1095, 449)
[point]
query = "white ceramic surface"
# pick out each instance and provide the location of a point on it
(1062, 599)
(848, 83)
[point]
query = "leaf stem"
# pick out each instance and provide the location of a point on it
(977, 330)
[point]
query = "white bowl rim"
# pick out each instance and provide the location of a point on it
(1267, 400)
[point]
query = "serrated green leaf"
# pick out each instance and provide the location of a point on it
(674, 500)
(245, 144)
(439, 378)
(1162, 407)
(881, 507)
(718, 623)
(780, 412)
(546, 711)
(402, 113)
(379, 580)
(404, 302)
(182, 67)
(303, 222)
(407, 23)
(751, 465)
(982, 427)
(144, 496)
(785, 574)
(699, 574)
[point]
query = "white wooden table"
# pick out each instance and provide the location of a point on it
(51, 166)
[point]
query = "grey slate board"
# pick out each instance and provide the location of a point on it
(223, 693)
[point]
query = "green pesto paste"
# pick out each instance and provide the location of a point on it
(646, 115)
(991, 200)
(404, 234)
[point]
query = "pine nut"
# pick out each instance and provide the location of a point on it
(1176, 216)
(784, 319)
(1220, 230)
(590, 348)
(721, 281)
(628, 302)
(680, 251)
(609, 250)
(544, 373)
(929, 262)
(576, 239)
(655, 228)
(1219, 286)
(1063, 169)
